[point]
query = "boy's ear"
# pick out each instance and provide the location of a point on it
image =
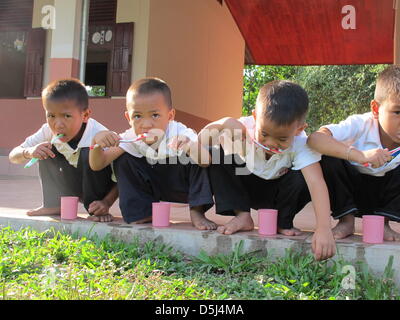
(375, 108)
(171, 114)
(253, 112)
(301, 128)
(127, 117)
(86, 115)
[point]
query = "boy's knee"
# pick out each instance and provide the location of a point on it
(84, 155)
(124, 160)
(328, 162)
(294, 178)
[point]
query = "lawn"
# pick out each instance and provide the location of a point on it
(54, 265)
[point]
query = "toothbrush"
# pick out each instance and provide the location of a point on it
(140, 137)
(34, 160)
(394, 152)
(268, 149)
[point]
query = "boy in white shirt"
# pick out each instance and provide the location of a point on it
(274, 180)
(362, 175)
(64, 164)
(151, 170)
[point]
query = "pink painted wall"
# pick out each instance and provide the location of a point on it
(19, 118)
(61, 68)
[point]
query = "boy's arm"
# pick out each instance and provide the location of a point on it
(37, 145)
(18, 155)
(200, 154)
(209, 135)
(323, 142)
(99, 158)
(196, 151)
(101, 208)
(41, 151)
(323, 243)
(111, 196)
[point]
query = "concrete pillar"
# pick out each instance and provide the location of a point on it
(396, 54)
(65, 42)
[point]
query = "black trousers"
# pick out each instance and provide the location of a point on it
(141, 183)
(288, 194)
(352, 192)
(59, 178)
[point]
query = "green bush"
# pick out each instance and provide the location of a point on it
(335, 92)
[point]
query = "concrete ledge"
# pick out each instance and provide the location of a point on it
(183, 237)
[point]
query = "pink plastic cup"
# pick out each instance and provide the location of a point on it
(161, 211)
(373, 229)
(267, 222)
(69, 208)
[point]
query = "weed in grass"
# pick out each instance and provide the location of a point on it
(233, 263)
(369, 287)
(294, 276)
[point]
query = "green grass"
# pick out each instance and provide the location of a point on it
(53, 265)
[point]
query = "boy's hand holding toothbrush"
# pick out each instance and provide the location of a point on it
(374, 158)
(107, 139)
(41, 151)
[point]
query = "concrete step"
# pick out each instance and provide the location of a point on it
(9, 169)
(18, 194)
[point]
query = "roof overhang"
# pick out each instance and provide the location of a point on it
(316, 32)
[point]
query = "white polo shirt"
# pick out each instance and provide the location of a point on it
(296, 157)
(362, 132)
(44, 134)
(140, 149)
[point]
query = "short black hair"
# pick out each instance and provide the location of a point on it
(387, 83)
(67, 89)
(150, 85)
(283, 102)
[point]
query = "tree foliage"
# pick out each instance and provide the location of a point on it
(335, 92)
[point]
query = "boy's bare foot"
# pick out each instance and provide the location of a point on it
(199, 221)
(242, 222)
(101, 218)
(389, 234)
(41, 211)
(290, 232)
(344, 228)
(144, 220)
